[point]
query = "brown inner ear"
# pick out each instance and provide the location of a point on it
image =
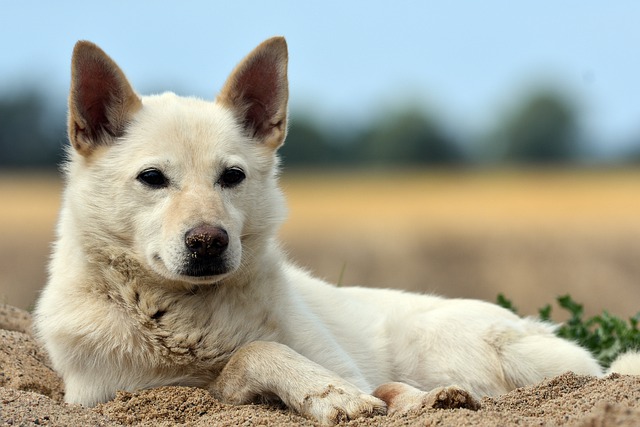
(94, 87)
(257, 92)
(101, 101)
(260, 96)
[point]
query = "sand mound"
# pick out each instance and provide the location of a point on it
(31, 393)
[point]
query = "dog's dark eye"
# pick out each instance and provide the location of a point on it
(231, 177)
(153, 178)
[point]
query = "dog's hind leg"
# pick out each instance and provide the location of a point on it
(403, 398)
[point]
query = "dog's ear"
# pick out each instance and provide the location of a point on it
(101, 100)
(257, 91)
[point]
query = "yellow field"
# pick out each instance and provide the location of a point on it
(530, 235)
(467, 201)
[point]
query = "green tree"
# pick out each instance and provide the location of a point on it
(408, 137)
(542, 130)
(31, 135)
(307, 144)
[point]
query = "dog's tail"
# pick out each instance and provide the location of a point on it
(626, 364)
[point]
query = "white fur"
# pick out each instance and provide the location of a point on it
(117, 314)
(627, 363)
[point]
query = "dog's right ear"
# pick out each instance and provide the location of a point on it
(101, 100)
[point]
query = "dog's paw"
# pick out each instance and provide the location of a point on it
(402, 398)
(335, 404)
(450, 398)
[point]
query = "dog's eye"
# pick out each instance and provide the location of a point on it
(153, 178)
(231, 177)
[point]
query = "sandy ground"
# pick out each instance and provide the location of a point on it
(31, 394)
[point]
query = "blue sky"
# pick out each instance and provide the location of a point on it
(349, 60)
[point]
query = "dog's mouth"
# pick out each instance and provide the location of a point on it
(194, 271)
(203, 270)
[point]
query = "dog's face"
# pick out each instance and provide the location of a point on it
(188, 186)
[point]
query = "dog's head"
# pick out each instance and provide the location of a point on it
(186, 186)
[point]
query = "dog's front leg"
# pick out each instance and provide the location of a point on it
(263, 369)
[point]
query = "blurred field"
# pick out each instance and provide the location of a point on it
(530, 235)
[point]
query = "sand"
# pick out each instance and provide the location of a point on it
(32, 394)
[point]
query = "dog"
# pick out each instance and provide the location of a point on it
(167, 271)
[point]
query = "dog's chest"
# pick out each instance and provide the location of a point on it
(197, 329)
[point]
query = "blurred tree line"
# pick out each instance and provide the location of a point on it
(32, 132)
(542, 129)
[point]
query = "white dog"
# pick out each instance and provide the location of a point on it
(166, 270)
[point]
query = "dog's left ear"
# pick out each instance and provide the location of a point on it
(257, 91)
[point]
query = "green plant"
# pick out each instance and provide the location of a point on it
(604, 335)
(503, 301)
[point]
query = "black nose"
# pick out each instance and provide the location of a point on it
(206, 241)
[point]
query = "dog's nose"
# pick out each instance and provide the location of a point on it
(206, 241)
